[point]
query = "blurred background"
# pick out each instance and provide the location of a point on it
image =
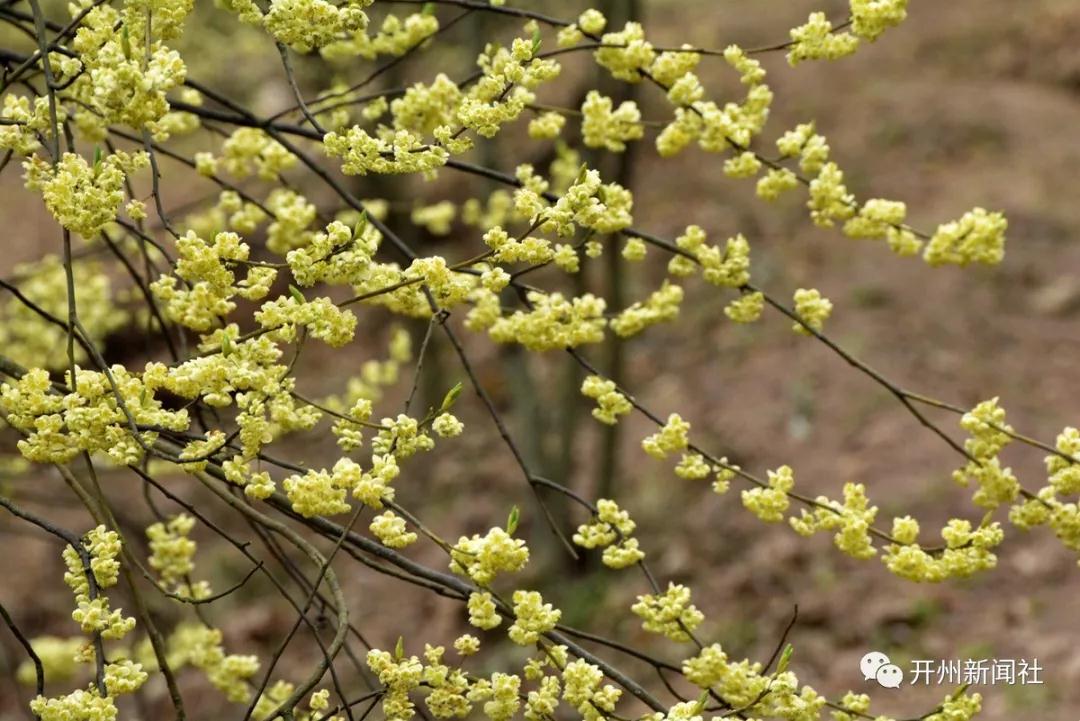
(970, 102)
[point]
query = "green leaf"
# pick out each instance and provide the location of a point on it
(226, 345)
(97, 157)
(361, 224)
(125, 42)
(428, 9)
(701, 701)
(296, 294)
(399, 649)
(513, 519)
(785, 658)
(536, 40)
(450, 398)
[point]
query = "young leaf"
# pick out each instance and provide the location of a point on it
(450, 398)
(125, 42)
(399, 649)
(361, 224)
(701, 701)
(512, 521)
(785, 658)
(296, 294)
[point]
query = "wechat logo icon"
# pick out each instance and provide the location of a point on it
(876, 666)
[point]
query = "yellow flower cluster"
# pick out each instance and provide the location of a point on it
(251, 150)
(813, 310)
(626, 54)
(851, 521)
(200, 646)
(466, 645)
(610, 404)
(588, 202)
(672, 437)
(669, 613)
(879, 218)
(819, 40)
(60, 426)
(307, 24)
(293, 214)
(399, 676)
(94, 617)
(509, 77)
(446, 425)
(321, 493)
(393, 152)
(770, 503)
(263, 390)
(775, 183)
(338, 256)
(403, 436)
(546, 125)
(500, 695)
(79, 704)
(322, 319)
(661, 306)
(210, 282)
(611, 530)
(583, 688)
(816, 40)
(605, 127)
(124, 79)
(172, 555)
(746, 308)
(977, 237)
(1044, 507)
(372, 487)
(830, 200)
(591, 21)
(504, 89)
(482, 611)
(871, 18)
(391, 531)
(482, 558)
(425, 107)
(989, 435)
(532, 618)
(714, 128)
(741, 685)
(1065, 472)
(83, 198)
(727, 268)
(395, 36)
(967, 551)
(26, 122)
(553, 322)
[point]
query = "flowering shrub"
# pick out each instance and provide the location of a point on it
(232, 291)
